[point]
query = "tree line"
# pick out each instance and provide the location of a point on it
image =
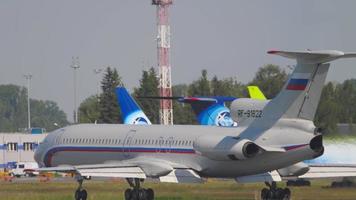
(13, 111)
(336, 103)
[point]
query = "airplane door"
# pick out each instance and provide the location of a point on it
(160, 145)
(59, 136)
(170, 144)
(128, 142)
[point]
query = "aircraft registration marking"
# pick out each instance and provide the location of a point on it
(250, 113)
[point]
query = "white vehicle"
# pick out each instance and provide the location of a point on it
(25, 169)
(269, 149)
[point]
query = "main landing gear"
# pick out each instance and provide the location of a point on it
(136, 192)
(275, 193)
(80, 193)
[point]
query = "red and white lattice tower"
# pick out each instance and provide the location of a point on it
(163, 46)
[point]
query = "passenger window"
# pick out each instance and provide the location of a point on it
(28, 146)
(11, 146)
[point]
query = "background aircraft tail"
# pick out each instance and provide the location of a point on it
(212, 110)
(255, 93)
(208, 110)
(131, 111)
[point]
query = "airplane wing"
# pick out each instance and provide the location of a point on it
(319, 171)
(257, 178)
(316, 171)
(157, 169)
(182, 176)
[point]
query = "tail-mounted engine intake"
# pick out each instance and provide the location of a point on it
(316, 144)
(226, 148)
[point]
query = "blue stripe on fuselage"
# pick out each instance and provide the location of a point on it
(51, 152)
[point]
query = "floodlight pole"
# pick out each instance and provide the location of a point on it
(97, 72)
(75, 65)
(28, 77)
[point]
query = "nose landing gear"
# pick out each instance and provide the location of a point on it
(275, 193)
(136, 192)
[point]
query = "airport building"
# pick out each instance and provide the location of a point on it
(18, 147)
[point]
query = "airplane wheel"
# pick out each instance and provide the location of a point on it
(80, 195)
(279, 194)
(286, 194)
(142, 194)
(264, 194)
(84, 195)
(150, 194)
(128, 194)
(77, 195)
(134, 195)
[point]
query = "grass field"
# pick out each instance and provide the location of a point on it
(110, 190)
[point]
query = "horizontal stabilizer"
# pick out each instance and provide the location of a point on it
(214, 99)
(314, 57)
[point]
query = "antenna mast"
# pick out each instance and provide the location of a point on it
(163, 47)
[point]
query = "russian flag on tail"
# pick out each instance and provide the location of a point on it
(297, 84)
(299, 81)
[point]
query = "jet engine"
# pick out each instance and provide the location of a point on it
(226, 148)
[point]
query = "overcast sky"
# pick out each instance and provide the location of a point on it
(226, 37)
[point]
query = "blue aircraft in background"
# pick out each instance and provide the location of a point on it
(130, 110)
(210, 111)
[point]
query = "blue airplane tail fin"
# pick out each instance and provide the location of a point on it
(208, 110)
(131, 111)
(211, 110)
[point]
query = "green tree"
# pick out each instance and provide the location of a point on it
(346, 96)
(89, 110)
(13, 111)
(200, 87)
(183, 113)
(13, 108)
(109, 110)
(45, 114)
(327, 113)
(149, 87)
(226, 87)
(270, 79)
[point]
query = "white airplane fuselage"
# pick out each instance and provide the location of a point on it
(175, 145)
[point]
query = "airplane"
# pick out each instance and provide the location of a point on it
(334, 153)
(272, 146)
(208, 110)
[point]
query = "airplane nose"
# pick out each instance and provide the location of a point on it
(38, 156)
